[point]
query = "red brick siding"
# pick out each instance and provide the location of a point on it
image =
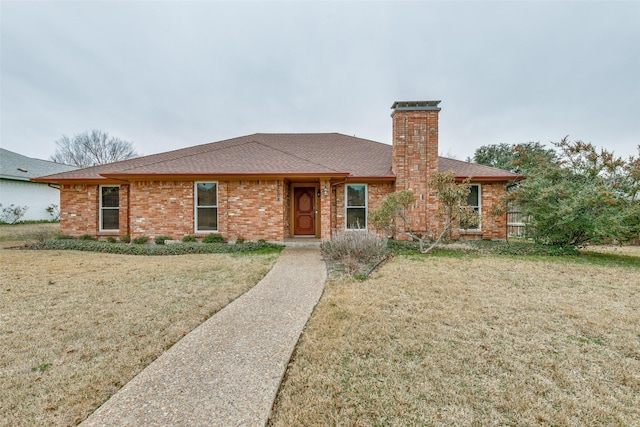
(284, 192)
(376, 194)
(254, 211)
(123, 215)
(415, 159)
(161, 208)
(492, 227)
(79, 210)
(325, 210)
(249, 209)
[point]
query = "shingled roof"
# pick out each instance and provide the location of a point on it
(311, 154)
(16, 167)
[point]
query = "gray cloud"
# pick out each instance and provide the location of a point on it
(172, 74)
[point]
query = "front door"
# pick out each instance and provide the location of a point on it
(304, 215)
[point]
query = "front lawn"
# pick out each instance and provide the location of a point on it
(472, 339)
(77, 326)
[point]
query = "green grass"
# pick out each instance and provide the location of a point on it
(518, 249)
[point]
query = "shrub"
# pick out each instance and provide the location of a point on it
(213, 238)
(140, 240)
(65, 237)
(239, 241)
(161, 239)
(12, 213)
(87, 237)
(189, 239)
(177, 249)
(125, 239)
(111, 239)
(355, 251)
(54, 211)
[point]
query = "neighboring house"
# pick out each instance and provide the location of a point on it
(16, 188)
(276, 186)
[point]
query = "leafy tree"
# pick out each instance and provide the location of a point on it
(453, 210)
(91, 149)
(586, 196)
(518, 158)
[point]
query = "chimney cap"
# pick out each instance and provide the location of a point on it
(416, 106)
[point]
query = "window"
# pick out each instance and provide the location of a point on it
(356, 206)
(474, 199)
(109, 208)
(206, 199)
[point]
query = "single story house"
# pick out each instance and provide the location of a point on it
(16, 187)
(276, 186)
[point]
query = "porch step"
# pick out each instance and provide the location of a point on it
(302, 241)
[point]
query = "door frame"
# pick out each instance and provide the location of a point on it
(316, 205)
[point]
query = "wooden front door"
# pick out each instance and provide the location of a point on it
(304, 214)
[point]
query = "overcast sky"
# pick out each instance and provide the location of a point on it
(169, 74)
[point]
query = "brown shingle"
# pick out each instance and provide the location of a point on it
(479, 172)
(272, 154)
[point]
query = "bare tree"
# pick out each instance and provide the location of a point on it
(91, 149)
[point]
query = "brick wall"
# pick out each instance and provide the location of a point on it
(79, 210)
(161, 208)
(376, 194)
(415, 159)
(254, 211)
(249, 209)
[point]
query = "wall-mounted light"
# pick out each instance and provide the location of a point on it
(325, 191)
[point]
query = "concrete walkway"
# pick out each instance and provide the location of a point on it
(227, 371)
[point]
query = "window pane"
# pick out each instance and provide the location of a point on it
(110, 197)
(110, 219)
(356, 195)
(207, 219)
(473, 199)
(356, 218)
(207, 194)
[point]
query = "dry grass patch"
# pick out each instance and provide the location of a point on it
(616, 250)
(75, 327)
(470, 341)
(19, 234)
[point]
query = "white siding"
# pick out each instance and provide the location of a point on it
(35, 195)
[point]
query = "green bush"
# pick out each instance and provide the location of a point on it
(140, 240)
(111, 239)
(161, 239)
(65, 237)
(87, 237)
(213, 238)
(176, 249)
(125, 239)
(189, 239)
(239, 241)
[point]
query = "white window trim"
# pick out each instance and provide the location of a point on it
(108, 230)
(366, 207)
(479, 228)
(195, 207)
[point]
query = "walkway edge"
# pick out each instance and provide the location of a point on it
(228, 370)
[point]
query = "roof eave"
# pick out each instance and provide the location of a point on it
(198, 176)
(496, 178)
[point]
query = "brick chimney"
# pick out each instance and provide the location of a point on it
(415, 155)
